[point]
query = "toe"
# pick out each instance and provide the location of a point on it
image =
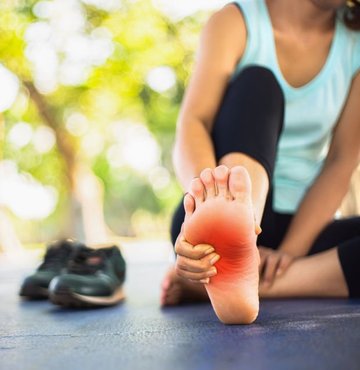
(239, 182)
(189, 205)
(207, 178)
(221, 175)
(197, 190)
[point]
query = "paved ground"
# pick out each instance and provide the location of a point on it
(298, 334)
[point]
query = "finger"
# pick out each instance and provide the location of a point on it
(196, 275)
(264, 253)
(284, 263)
(265, 249)
(272, 263)
(202, 265)
(183, 248)
(262, 265)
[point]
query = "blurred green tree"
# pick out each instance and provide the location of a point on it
(104, 86)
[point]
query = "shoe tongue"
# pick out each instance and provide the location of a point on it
(64, 244)
(57, 253)
(94, 260)
(85, 252)
(86, 260)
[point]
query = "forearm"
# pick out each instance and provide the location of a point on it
(193, 152)
(317, 208)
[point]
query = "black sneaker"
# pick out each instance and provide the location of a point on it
(56, 258)
(94, 278)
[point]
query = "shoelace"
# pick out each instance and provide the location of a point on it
(86, 261)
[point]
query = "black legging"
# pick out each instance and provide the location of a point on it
(250, 121)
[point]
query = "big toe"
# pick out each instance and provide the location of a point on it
(239, 182)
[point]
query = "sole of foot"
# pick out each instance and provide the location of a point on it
(219, 212)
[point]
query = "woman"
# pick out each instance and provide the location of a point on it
(269, 134)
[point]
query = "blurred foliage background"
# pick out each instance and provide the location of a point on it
(89, 95)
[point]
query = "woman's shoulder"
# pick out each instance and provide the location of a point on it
(226, 31)
(350, 42)
(228, 18)
(353, 44)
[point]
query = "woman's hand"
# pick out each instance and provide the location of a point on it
(273, 263)
(195, 262)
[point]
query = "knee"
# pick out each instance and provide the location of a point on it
(260, 81)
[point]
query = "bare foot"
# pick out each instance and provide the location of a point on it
(176, 290)
(223, 217)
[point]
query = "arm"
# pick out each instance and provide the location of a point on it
(222, 45)
(324, 197)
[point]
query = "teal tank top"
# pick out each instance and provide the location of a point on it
(311, 111)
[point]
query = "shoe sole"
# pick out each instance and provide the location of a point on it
(68, 298)
(34, 292)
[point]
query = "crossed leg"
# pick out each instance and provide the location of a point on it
(319, 275)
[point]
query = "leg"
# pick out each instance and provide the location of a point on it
(328, 271)
(247, 129)
(244, 135)
(319, 275)
(336, 233)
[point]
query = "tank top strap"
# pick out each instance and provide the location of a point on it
(356, 58)
(259, 45)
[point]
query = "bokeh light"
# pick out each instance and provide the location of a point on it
(161, 79)
(20, 134)
(9, 87)
(23, 195)
(43, 139)
(89, 118)
(180, 9)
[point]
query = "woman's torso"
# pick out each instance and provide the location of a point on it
(312, 109)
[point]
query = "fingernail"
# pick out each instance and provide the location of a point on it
(208, 251)
(212, 272)
(214, 259)
(205, 281)
(278, 272)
